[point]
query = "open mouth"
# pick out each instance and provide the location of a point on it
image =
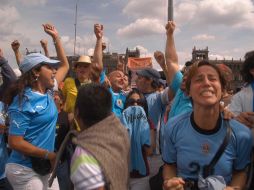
(207, 93)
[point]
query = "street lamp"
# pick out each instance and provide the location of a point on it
(170, 10)
(75, 28)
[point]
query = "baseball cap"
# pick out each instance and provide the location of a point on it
(149, 73)
(34, 59)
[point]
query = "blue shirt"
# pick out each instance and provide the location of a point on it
(3, 149)
(135, 120)
(34, 119)
(3, 156)
(191, 149)
(181, 102)
(155, 107)
(118, 101)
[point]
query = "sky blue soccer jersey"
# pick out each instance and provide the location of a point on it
(34, 119)
(135, 120)
(191, 148)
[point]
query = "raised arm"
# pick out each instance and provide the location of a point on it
(170, 51)
(64, 65)
(44, 45)
(159, 57)
(98, 31)
(15, 47)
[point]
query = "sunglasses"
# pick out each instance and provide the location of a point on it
(132, 101)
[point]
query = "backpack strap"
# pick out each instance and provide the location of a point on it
(208, 169)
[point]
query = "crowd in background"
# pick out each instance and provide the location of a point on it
(93, 131)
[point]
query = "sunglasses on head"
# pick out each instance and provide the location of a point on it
(132, 101)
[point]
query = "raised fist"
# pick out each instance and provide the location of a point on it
(15, 45)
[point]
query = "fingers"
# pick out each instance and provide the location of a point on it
(15, 45)
(227, 114)
(246, 119)
(170, 27)
(44, 42)
(175, 183)
(98, 30)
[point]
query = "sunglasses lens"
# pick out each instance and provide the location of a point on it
(133, 101)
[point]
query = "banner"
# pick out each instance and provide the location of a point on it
(139, 63)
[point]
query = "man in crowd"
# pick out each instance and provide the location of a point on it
(117, 78)
(100, 161)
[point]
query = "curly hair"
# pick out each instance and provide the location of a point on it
(248, 64)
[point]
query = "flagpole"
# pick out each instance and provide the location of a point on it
(170, 10)
(75, 28)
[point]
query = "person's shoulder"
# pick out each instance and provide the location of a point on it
(69, 80)
(179, 120)
(180, 117)
(239, 129)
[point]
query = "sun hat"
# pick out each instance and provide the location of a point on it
(32, 60)
(83, 59)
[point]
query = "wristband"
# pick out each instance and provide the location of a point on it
(46, 155)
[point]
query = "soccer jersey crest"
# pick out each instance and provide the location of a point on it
(119, 103)
(205, 148)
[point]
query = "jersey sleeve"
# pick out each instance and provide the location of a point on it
(176, 82)
(169, 151)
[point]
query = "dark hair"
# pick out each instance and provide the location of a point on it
(27, 79)
(93, 103)
(248, 64)
(194, 68)
(142, 98)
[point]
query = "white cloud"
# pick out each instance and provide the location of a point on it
(146, 8)
(185, 12)
(233, 13)
(9, 16)
(143, 51)
(90, 51)
(84, 44)
(183, 56)
(33, 2)
(220, 57)
(141, 27)
(203, 37)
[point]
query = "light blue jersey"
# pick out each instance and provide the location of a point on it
(181, 103)
(118, 101)
(135, 120)
(190, 148)
(155, 108)
(3, 156)
(34, 119)
(3, 149)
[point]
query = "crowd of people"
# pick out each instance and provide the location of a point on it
(93, 131)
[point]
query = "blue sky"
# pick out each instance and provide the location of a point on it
(225, 26)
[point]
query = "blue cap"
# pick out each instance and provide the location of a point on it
(34, 59)
(149, 73)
